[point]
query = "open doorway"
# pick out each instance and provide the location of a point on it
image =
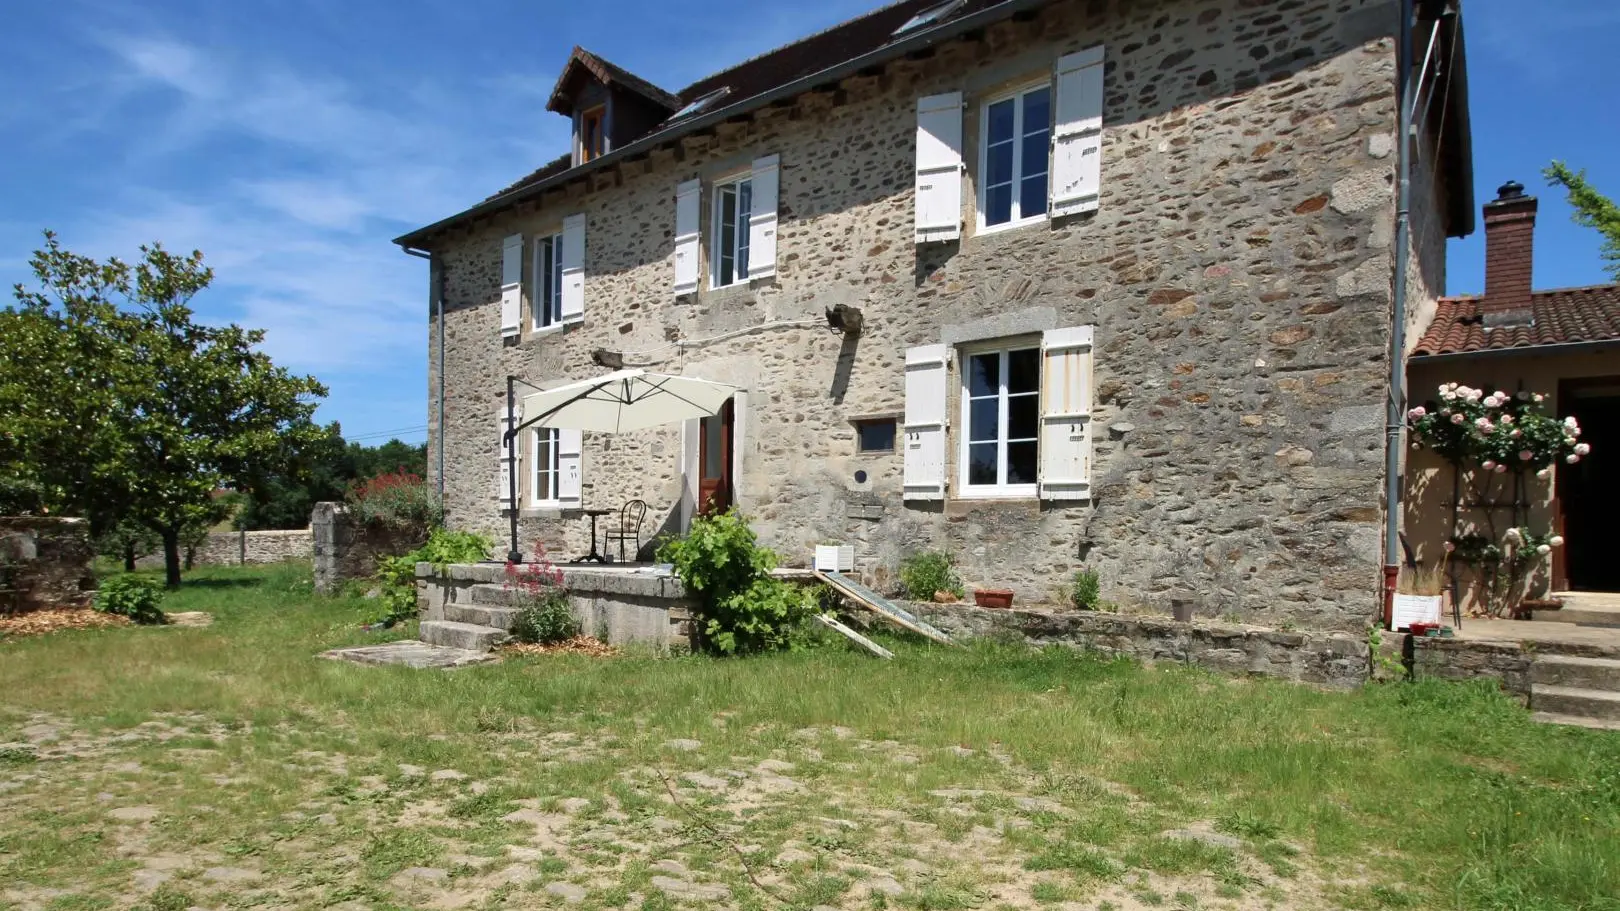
(714, 461)
(1589, 492)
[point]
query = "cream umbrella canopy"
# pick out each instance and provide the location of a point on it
(617, 402)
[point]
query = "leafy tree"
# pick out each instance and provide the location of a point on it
(1592, 210)
(325, 470)
(137, 412)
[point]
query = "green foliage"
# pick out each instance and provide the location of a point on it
(1086, 589)
(120, 406)
(324, 470)
(140, 598)
(743, 608)
(396, 576)
(544, 614)
(21, 496)
(1592, 210)
(397, 500)
(931, 571)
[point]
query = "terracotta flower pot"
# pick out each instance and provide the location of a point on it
(998, 598)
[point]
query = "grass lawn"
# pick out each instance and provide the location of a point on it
(226, 767)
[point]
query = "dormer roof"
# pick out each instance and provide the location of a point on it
(583, 64)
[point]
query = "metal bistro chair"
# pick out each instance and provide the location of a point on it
(629, 528)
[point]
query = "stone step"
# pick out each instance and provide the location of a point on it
(1569, 700)
(1580, 721)
(480, 615)
(451, 634)
(497, 595)
(1576, 672)
(1584, 609)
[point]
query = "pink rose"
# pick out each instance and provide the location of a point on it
(1572, 459)
(1456, 419)
(1526, 455)
(1582, 449)
(1489, 465)
(1416, 413)
(1501, 468)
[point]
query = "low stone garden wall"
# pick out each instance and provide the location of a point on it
(617, 606)
(45, 562)
(243, 548)
(1507, 663)
(345, 549)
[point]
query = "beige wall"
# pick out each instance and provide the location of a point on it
(1428, 515)
(1237, 274)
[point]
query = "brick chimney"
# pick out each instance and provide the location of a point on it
(1510, 228)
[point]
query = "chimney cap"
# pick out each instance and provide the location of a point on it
(1510, 190)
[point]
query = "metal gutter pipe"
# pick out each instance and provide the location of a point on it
(436, 301)
(1395, 418)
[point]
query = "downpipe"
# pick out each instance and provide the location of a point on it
(1395, 417)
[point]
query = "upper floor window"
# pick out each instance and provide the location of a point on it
(733, 201)
(1015, 136)
(543, 486)
(592, 133)
(1001, 393)
(546, 301)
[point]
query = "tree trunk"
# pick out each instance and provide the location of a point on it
(129, 558)
(171, 557)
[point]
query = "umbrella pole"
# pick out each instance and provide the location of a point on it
(513, 555)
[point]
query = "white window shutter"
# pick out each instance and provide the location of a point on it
(686, 237)
(505, 458)
(570, 468)
(925, 422)
(511, 284)
(573, 269)
(1065, 442)
(1077, 137)
(939, 167)
(766, 179)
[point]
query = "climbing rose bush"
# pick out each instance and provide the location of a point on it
(1500, 432)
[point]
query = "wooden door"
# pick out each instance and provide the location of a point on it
(714, 462)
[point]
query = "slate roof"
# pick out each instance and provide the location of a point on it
(1559, 317)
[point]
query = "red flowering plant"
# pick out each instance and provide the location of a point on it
(398, 499)
(536, 589)
(1497, 443)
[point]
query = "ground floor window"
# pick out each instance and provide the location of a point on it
(1001, 392)
(543, 485)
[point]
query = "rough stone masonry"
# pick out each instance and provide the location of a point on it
(1237, 275)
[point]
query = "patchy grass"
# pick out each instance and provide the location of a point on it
(227, 767)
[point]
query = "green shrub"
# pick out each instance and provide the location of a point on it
(544, 615)
(1086, 589)
(931, 571)
(140, 598)
(396, 576)
(743, 609)
(397, 499)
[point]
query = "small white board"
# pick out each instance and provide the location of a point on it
(1410, 609)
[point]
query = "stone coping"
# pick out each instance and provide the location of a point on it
(643, 583)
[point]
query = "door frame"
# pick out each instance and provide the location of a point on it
(724, 482)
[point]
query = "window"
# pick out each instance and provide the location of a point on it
(928, 16)
(874, 435)
(546, 301)
(543, 486)
(702, 104)
(1001, 411)
(592, 133)
(1014, 149)
(732, 202)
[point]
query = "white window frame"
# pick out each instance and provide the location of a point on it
(1000, 489)
(553, 470)
(1016, 96)
(538, 306)
(739, 234)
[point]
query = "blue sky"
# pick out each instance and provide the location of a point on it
(289, 140)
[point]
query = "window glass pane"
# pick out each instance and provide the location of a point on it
(727, 244)
(1023, 415)
(1021, 463)
(984, 374)
(875, 436)
(1000, 122)
(984, 419)
(1032, 196)
(982, 463)
(1024, 370)
(1037, 111)
(745, 200)
(998, 164)
(998, 205)
(543, 305)
(713, 446)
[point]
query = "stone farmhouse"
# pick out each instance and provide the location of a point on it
(1046, 284)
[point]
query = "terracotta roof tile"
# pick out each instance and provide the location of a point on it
(1558, 317)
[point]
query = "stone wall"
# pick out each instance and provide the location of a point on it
(237, 548)
(1237, 274)
(1507, 663)
(345, 549)
(45, 562)
(641, 608)
(1327, 659)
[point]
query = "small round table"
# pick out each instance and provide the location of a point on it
(594, 556)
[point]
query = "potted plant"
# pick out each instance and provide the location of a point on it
(995, 598)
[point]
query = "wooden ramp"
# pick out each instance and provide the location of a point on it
(883, 607)
(831, 622)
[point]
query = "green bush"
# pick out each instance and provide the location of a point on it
(743, 609)
(1086, 589)
(931, 571)
(396, 499)
(544, 615)
(140, 598)
(396, 576)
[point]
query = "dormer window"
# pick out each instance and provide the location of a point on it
(592, 133)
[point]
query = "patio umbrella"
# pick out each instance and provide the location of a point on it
(624, 401)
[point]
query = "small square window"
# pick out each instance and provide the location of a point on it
(875, 435)
(592, 133)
